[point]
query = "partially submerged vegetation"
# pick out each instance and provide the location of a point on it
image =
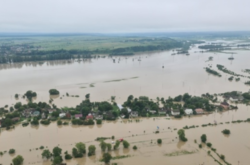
(213, 72)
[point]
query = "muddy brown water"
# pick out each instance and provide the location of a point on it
(235, 147)
(180, 74)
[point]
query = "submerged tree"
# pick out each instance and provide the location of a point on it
(18, 160)
(181, 134)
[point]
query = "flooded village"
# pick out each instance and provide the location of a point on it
(144, 99)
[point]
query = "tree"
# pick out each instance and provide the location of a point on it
(18, 105)
(204, 138)
(159, 141)
(209, 145)
(46, 154)
(57, 151)
(12, 151)
(106, 157)
(11, 109)
(103, 146)
(59, 122)
(134, 147)
(98, 121)
(68, 156)
(117, 143)
(18, 160)
(81, 147)
(181, 134)
(57, 160)
(91, 150)
(109, 146)
(226, 131)
(54, 92)
(222, 157)
(87, 96)
(125, 144)
(112, 98)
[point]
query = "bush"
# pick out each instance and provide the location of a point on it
(134, 147)
(68, 157)
(204, 138)
(226, 131)
(200, 145)
(209, 145)
(12, 151)
(106, 157)
(59, 122)
(125, 144)
(98, 121)
(18, 160)
(222, 157)
(159, 141)
(54, 92)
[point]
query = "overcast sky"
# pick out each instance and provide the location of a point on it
(114, 16)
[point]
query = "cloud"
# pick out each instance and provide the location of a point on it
(107, 16)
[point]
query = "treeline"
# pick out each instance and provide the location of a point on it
(131, 50)
(41, 55)
(211, 47)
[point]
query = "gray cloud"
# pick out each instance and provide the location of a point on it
(123, 15)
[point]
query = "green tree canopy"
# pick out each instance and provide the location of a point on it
(18, 160)
(46, 154)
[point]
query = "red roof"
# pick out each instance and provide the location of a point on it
(78, 115)
(89, 117)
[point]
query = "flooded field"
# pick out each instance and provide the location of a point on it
(140, 75)
(102, 78)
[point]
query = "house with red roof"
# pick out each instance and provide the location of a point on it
(78, 116)
(89, 117)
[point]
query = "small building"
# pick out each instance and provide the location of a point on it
(51, 111)
(78, 116)
(133, 114)
(119, 106)
(35, 113)
(152, 111)
(15, 119)
(99, 117)
(68, 115)
(224, 105)
(129, 110)
(163, 111)
(109, 116)
(61, 115)
(175, 112)
(43, 116)
(199, 111)
(188, 111)
(89, 117)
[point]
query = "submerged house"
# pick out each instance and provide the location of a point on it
(175, 112)
(89, 117)
(78, 116)
(133, 114)
(199, 111)
(224, 105)
(188, 111)
(61, 115)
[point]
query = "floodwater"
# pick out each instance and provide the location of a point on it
(235, 147)
(100, 77)
(180, 74)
